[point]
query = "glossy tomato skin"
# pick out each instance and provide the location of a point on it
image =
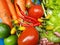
(36, 11)
(29, 37)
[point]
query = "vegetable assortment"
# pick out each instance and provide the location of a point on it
(30, 22)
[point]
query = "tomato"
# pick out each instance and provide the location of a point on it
(36, 11)
(29, 3)
(29, 36)
(4, 30)
(11, 40)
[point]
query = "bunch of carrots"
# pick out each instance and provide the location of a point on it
(14, 11)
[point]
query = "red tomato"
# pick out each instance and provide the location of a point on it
(29, 3)
(29, 36)
(36, 11)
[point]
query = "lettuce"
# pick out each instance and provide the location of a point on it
(53, 4)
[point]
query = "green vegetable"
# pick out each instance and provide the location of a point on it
(43, 35)
(54, 19)
(53, 4)
(57, 29)
(38, 28)
(11, 40)
(53, 38)
(4, 30)
(52, 9)
(50, 36)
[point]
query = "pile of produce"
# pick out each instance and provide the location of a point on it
(29, 22)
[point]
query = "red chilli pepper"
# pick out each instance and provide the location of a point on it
(27, 18)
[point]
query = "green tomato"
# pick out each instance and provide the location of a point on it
(11, 40)
(4, 30)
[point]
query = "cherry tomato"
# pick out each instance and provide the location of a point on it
(29, 36)
(36, 11)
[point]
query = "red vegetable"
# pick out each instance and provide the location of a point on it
(27, 18)
(23, 14)
(29, 36)
(29, 3)
(21, 4)
(36, 11)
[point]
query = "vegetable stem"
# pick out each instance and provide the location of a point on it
(44, 9)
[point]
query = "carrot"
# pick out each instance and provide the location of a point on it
(21, 4)
(6, 6)
(4, 15)
(12, 9)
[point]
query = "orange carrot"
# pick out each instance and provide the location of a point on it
(12, 9)
(6, 6)
(21, 3)
(4, 15)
